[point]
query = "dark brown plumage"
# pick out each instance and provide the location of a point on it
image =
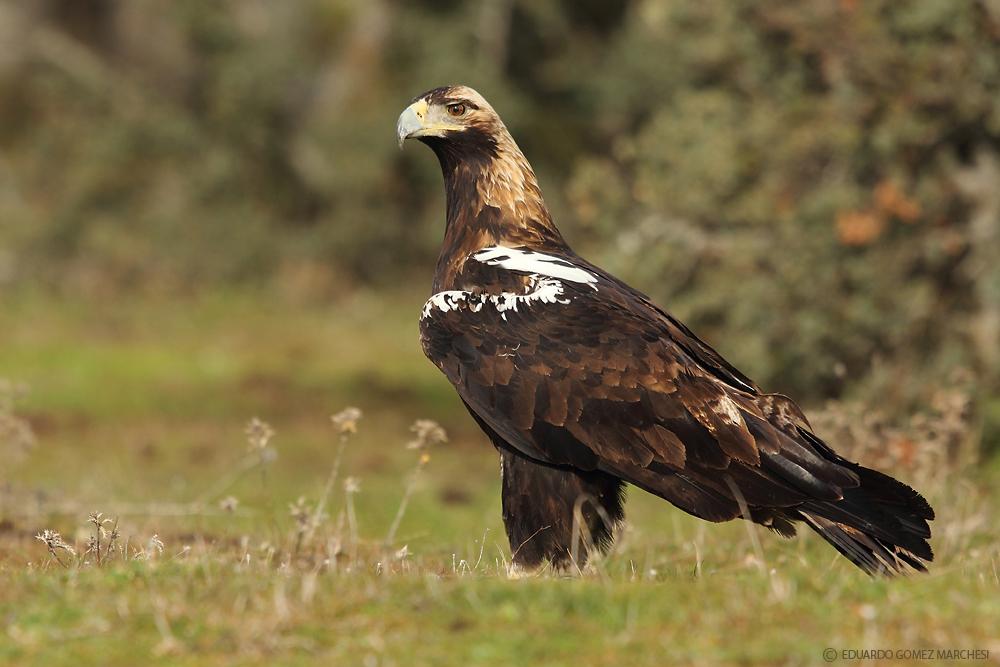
(583, 384)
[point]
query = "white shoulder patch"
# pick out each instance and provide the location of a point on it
(539, 263)
(540, 290)
(445, 301)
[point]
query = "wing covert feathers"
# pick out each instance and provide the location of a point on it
(600, 381)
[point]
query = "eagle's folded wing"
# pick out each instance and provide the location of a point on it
(592, 376)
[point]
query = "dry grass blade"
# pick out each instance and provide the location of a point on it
(427, 434)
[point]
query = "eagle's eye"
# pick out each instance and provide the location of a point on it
(457, 109)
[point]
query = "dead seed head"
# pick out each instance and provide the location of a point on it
(229, 504)
(352, 485)
(428, 433)
(259, 434)
(154, 547)
(299, 511)
(346, 421)
(54, 542)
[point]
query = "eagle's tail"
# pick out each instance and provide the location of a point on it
(881, 525)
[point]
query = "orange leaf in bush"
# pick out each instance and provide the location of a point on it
(859, 228)
(890, 200)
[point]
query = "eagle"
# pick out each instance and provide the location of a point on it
(584, 384)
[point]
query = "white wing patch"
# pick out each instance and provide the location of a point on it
(540, 290)
(537, 263)
(448, 300)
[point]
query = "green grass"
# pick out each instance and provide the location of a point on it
(139, 407)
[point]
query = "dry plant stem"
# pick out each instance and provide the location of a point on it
(580, 533)
(352, 525)
(54, 542)
(410, 486)
(259, 434)
(778, 590)
(327, 488)
(582, 536)
(97, 549)
(97, 520)
(745, 511)
(223, 485)
(112, 538)
(58, 559)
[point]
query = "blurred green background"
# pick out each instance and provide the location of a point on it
(813, 186)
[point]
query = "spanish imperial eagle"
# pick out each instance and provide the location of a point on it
(584, 384)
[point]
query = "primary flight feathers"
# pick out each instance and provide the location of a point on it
(583, 384)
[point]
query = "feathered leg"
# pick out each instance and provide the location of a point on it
(539, 504)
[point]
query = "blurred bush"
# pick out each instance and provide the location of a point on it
(815, 183)
(813, 186)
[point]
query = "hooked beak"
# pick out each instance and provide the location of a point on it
(411, 121)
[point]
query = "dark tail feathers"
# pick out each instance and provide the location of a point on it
(881, 525)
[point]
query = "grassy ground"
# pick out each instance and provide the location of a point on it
(139, 408)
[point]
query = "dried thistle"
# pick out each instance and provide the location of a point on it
(54, 543)
(154, 547)
(346, 421)
(352, 485)
(299, 511)
(97, 520)
(229, 504)
(259, 434)
(428, 433)
(111, 539)
(305, 520)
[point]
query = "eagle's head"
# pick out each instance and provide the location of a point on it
(491, 193)
(455, 121)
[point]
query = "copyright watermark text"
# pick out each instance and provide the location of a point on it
(911, 654)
